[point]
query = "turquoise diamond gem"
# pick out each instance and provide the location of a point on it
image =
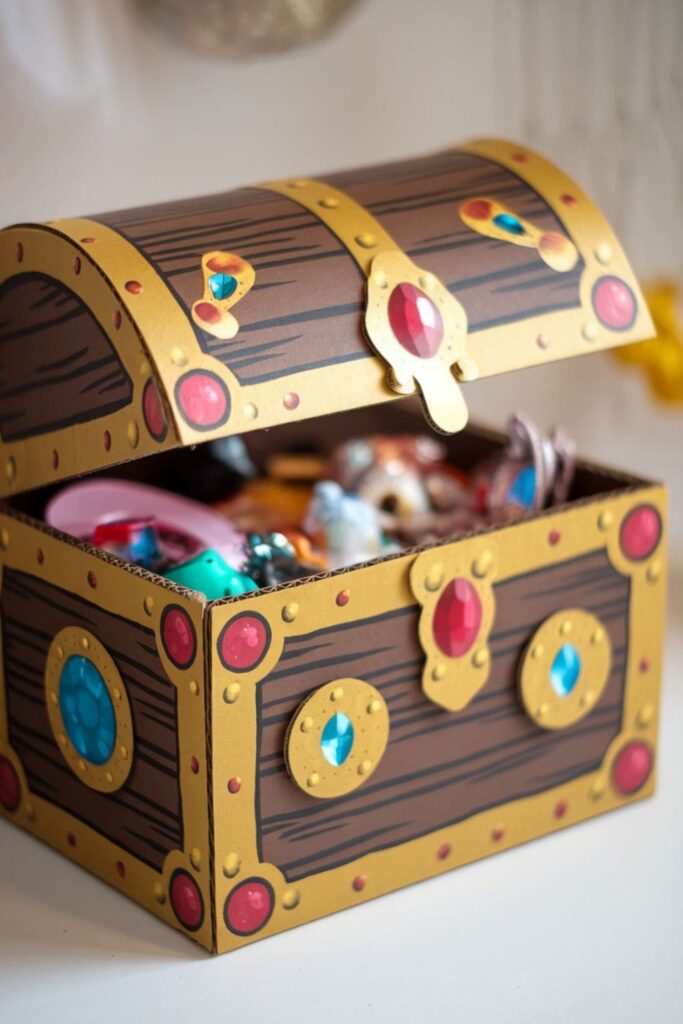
(565, 670)
(337, 739)
(508, 222)
(523, 487)
(87, 710)
(222, 285)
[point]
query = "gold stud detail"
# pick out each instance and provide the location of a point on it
(605, 519)
(480, 657)
(364, 767)
(654, 571)
(81, 764)
(298, 183)
(537, 651)
(482, 564)
(4, 539)
(250, 411)
(290, 899)
(590, 330)
(159, 893)
(144, 368)
(439, 672)
(598, 635)
(196, 858)
(380, 279)
(597, 788)
(566, 627)
(85, 643)
(645, 715)
(435, 578)
(467, 368)
(178, 356)
(109, 777)
(148, 604)
(307, 724)
(30, 812)
(426, 281)
(337, 693)
(123, 751)
(231, 693)
(290, 612)
(62, 738)
(603, 254)
(10, 469)
(53, 697)
(231, 865)
(374, 706)
(312, 780)
(329, 203)
(117, 693)
(194, 687)
(366, 240)
(587, 699)
(542, 710)
(133, 432)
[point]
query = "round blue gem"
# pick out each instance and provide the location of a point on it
(222, 285)
(565, 670)
(337, 739)
(523, 487)
(87, 710)
(508, 222)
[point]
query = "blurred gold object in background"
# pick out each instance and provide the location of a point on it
(661, 358)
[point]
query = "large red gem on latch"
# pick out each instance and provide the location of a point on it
(640, 532)
(457, 618)
(415, 321)
(614, 303)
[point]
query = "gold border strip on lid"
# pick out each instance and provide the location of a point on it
(425, 364)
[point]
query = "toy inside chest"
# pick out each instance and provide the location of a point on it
(262, 679)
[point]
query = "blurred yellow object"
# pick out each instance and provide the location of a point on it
(662, 357)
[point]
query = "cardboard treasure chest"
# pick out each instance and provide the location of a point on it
(262, 760)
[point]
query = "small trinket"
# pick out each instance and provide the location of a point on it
(347, 526)
(272, 559)
(135, 540)
(530, 473)
(210, 574)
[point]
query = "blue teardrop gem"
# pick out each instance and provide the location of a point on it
(565, 670)
(222, 285)
(87, 710)
(508, 222)
(337, 739)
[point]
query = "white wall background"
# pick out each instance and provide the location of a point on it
(100, 110)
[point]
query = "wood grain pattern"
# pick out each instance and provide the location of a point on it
(144, 817)
(305, 308)
(57, 366)
(439, 768)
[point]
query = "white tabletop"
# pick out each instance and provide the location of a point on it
(586, 925)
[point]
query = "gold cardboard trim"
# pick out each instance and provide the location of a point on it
(544, 705)
(111, 774)
(556, 250)
(367, 711)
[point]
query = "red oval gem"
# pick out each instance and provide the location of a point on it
(614, 303)
(632, 767)
(134, 287)
(415, 321)
(457, 618)
(291, 401)
(153, 411)
(249, 906)
(10, 787)
(178, 636)
(208, 313)
(243, 642)
(640, 533)
(359, 882)
(186, 900)
(203, 399)
(477, 209)
(234, 785)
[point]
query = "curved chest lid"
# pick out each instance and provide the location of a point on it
(128, 333)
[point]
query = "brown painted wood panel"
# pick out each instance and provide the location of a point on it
(145, 816)
(57, 366)
(439, 768)
(305, 307)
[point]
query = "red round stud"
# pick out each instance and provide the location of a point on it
(207, 312)
(561, 809)
(415, 321)
(243, 642)
(291, 401)
(542, 342)
(107, 441)
(614, 303)
(457, 618)
(178, 636)
(71, 839)
(234, 785)
(359, 882)
(554, 537)
(632, 768)
(117, 319)
(92, 579)
(40, 556)
(443, 851)
(134, 287)
(203, 399)
(194, 765)
(88, 241)
(249, 906)
(343, 598)
(153, 412)
(477, 209)
(497, 833)
(186, 900)
(644, 665)
(55, 459)
(20, 253)
(10, 787)
(77, 264)
(569, 200)
(640, 532)
(520, 158)
(121, 869)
